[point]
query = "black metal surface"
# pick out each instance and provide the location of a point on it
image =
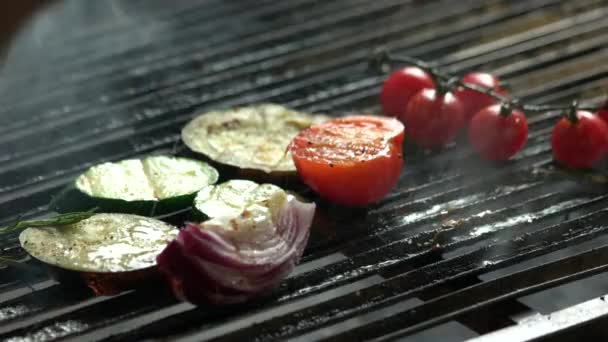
(119, 79)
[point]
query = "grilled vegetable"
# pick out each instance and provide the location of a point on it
(400, 87)
(251, 141)
(255, 237)
(579, 140)
(433, 119)
(354, 160)
(109, 252)
(474, 101)
(151, 186)
(230, 198)
(497, 132)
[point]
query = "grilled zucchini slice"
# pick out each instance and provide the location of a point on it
(251, 139)
(156, 185)
(103, 243)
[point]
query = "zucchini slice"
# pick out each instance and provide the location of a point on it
(155, 185)
(229, 199)
(251, 138)
(103, 243)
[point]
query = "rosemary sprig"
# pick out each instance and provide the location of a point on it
(59, 220)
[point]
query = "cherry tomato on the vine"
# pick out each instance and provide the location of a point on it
(581, 143)
(354, 160)
(473, 101)
(433, 120)
(400, 86)
(497, 137)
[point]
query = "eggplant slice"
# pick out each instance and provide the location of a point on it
(156, 185)
(252, 139)
(109, 252)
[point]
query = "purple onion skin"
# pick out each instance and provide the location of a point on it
(207, 267)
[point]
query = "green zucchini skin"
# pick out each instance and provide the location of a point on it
(72, 198)
(198, 215)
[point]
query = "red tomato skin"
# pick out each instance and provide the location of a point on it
(355, 183)
(495, 137)
(356, 187)
(473, 101)
(603, 112)
(433, 121)
(582, 144)
(400, 86)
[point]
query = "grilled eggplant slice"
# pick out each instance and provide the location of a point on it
(251, 141)
(156, 185)
(108, 252)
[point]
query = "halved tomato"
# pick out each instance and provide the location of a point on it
(354, 160)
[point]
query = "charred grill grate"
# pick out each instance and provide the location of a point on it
(125, 81)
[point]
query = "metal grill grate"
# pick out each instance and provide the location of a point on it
(122, 81)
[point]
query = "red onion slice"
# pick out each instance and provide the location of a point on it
(214, 263)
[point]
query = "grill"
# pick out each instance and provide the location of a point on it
(523, 247)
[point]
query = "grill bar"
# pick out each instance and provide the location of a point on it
(212, 19)
(17, 164)
(586, 47)
(105, 30)
(176, 57)
(181, 320)
(70, 176)
(384, 33)
(450, 307)
(228, 67)
(566, 324)
(384, 258)
(411, 283)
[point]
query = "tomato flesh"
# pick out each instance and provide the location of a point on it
(353, 161)
(431, 120)
(580, 144)
(496, 137)
(473, 101)
(400, 86)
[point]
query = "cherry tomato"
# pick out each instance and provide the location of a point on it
(431, 120)
(603, 112)
(354, 161)
(473, 101)
(580, 144)
(400, 86)
(497, 137)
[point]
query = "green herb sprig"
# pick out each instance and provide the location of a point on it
(59, 220)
